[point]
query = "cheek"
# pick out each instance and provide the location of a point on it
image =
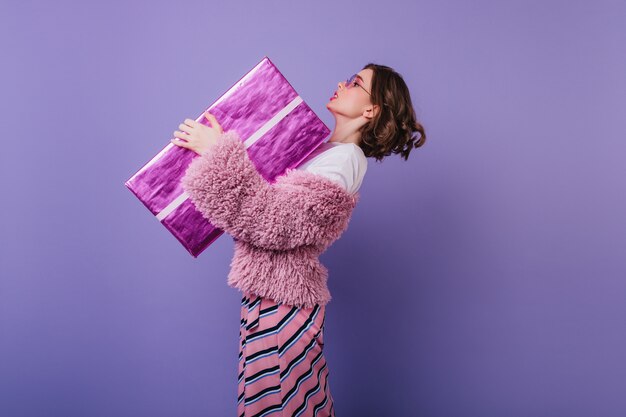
(354, 106)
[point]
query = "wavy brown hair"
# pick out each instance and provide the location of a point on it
(394, 129)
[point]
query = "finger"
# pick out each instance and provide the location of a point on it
(185, 128)
(180, 142)
(181, 135)
(213, 121)
(190, 122)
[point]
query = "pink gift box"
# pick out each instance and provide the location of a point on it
(279, 131)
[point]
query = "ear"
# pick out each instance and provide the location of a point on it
(371, 111)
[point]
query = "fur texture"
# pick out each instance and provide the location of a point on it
(279, 228)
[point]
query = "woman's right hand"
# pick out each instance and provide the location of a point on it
(197, 137)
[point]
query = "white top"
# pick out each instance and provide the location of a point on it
(344, 163)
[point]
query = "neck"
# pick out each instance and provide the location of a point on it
(346, 130)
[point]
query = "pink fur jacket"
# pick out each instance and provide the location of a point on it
(279, 228)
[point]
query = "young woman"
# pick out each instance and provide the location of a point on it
(280, 230)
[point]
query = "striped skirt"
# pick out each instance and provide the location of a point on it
(282, 369)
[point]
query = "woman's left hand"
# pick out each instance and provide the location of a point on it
(196, 136)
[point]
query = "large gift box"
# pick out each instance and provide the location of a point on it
(279, 131)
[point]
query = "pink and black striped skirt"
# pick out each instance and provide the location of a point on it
(282, 369)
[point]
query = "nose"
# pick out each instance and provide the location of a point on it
(340, 84)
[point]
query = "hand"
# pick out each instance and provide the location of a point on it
(196, 136)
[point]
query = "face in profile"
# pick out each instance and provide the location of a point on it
(353, 100)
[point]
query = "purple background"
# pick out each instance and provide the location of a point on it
(483, 277)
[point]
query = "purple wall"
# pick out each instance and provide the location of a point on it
(483, 277)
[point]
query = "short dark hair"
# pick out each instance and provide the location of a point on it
(395, 127)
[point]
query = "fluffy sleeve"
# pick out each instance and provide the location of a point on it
(299, 209)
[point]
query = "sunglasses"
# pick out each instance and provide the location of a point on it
(351, 82)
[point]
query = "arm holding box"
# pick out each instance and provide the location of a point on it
(299, 209)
